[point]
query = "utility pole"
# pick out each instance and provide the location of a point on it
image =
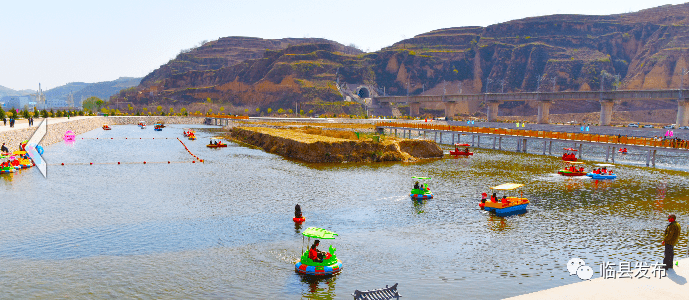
(552, 82)
(502, 84)
(538, 84)
(488, 84)
(681, 80)
(460, 87)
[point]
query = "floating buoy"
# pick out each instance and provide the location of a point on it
(202, 160)
(96, 138)
(193, 161)
(111, 138)
(91, 163)
(63, 164)
(144, 162)
(118, 162)
(168, 162)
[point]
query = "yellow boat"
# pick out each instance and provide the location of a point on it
(507, 204)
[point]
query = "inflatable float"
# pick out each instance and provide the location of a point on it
(331, 264)
(106, 127)
(299, 220)
(423, 191)
(623, 151)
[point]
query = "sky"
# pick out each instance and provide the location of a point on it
(57, 42)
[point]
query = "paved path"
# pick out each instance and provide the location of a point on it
(23, 123)
(674, 286)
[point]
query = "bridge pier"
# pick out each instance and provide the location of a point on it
(450, 109)
(414, 109)
(492, 113)
(544, 112)
(606, 111)
(500, 143)
(682, 112)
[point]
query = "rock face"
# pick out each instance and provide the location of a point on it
(567, 52)
(337, 151)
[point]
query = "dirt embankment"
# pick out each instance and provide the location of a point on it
(315, 148)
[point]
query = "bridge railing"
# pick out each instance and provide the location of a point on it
(228, 117)
(598, 138)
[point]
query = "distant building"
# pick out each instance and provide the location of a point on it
(55, 103)
(17, 102)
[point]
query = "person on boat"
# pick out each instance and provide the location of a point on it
(483, 197)
(605, 170)
(504, 200)
(416, 185)
(456, 149)
(466, 150)
(297, 211)
(314, 254)
(581, 169)
(494, 198)
(4, 149)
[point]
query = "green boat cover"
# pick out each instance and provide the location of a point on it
(319, 233)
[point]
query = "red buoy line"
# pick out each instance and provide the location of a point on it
(133, 163)
(125, 163)
(121, 138)
(192, 154)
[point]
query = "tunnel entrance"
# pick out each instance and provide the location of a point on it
(363, 93)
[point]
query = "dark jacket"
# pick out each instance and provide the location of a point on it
(672, 233)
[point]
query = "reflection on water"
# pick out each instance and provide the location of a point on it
(224, 229)
(319, 287)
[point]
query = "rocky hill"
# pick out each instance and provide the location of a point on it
(83, 90)
(641, 50)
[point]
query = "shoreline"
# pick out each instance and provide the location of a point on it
(674, 286)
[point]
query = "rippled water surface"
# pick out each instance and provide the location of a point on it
(223, 229)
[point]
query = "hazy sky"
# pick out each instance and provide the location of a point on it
(56, 42)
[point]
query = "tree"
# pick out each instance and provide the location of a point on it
(2, 113)
(246, 111)
(281, 111)
(52, 113)
(145, 109)
(172, 110)
(210, 111)
(258, 109)
(301, 111)
(35, 111)
(222, 108)
(9, 114)
(159, 108)
(269, 110)
(310, 111)
(183, 110)
(290, 111)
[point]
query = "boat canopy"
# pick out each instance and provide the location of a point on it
(605, 165)
(508, 186)
(569, 149)
(463, 145)
(574, 162)
(216, 138)
(319, 233)
(19, 152)
(422, 178)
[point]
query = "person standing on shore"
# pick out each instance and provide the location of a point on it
(672, 232)
(4, 121)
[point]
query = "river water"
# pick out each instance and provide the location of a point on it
(223, 228)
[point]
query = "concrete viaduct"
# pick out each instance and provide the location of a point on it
(545, 100)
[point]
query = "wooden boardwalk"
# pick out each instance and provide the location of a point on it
(522, 136)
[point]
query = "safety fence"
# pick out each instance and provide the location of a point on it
(570, 136)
